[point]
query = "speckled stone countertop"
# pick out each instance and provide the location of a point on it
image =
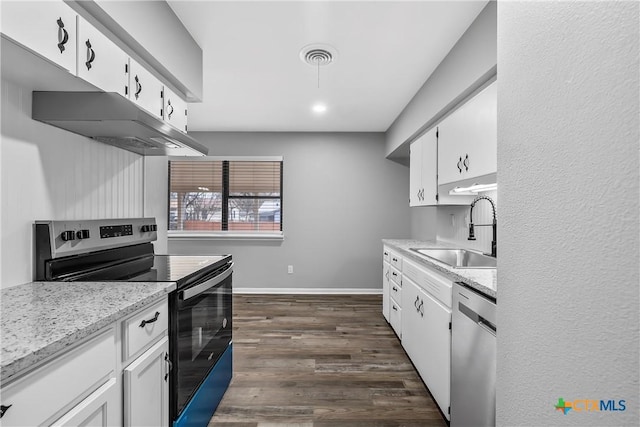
(40, 319)
(481, 279)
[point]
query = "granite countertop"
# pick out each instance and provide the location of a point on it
(40, 319)
(481, 279)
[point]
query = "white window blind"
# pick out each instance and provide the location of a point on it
(225, 195)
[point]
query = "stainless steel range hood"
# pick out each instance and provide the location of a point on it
(113, 119)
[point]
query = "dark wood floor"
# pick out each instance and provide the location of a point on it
(317, 360)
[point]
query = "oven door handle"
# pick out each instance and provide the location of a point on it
(198, 289)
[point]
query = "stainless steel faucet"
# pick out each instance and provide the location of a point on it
(494, 224)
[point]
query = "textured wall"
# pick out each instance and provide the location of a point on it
(49, 173)
(340, 198)
(568, 282)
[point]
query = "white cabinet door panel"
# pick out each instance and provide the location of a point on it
(146, 388)
(48, 28)
(415, 173)
(427, 340)
(145, 89)
(100, 61)
(385, 290)
(100, 409)
(175, 110)
(467, 144)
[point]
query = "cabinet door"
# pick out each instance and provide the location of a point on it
(415, 173)
(100, 409)
(430, 168)
(426, 338)
(175, 110)
(48, 28)
(100, 61)
(145, 89)
(146, 388)
(385, 290)
(468, 139)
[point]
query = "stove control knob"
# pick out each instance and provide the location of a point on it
(68, 235)
(148, 227)
(154, 227)
(82, 234)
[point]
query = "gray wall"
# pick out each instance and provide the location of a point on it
(471, 62)
(340, 197)
(568, 120)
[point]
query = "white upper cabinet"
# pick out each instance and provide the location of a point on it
(175, 110)
(467, 139)
(47, 28)
(145, 89)
(100, 61)
(423, 170)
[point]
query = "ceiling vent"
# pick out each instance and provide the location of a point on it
(318, 54)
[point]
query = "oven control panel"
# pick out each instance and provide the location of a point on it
(64, 238)
(108, 231)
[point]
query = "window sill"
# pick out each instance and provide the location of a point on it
(209, 235)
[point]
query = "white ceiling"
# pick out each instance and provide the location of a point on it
(254, 79)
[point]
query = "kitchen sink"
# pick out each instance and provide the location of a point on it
(458, 258)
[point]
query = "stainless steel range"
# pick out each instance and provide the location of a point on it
(200, 320)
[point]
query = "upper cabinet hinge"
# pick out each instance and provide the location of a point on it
(437, 197)
(449, 325)
(437, 132)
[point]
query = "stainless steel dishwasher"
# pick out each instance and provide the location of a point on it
(473, 359)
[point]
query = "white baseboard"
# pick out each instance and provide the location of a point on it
(309, 291)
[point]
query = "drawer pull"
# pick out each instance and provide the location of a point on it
(144, 322)
(395, 308)
(395, 259)
(395, 289)
(394, 274)
(4, 409)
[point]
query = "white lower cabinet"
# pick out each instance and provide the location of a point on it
(385, 290)
(100, 409)
(146, 388)
(59, 389)
(426, 338)
(85, 385)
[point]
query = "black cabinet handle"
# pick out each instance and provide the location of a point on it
(144, 322)
(415, 303)
(395, 289)
(395, 308)
(3, 409)
(138, 87)
(170, 365)
(459, 167)
(466, 162)
(91, 55)
(421, 308)
(394, 273)
(169, 113)
(63, 36)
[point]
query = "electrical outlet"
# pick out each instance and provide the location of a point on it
(290, 269)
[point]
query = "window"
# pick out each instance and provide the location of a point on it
(235, 195)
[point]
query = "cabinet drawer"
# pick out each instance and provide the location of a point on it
(395, 291)
(141, 330)
(430, 281)
(395, 318)
(395, 260)
(395, 276)
(45, 394)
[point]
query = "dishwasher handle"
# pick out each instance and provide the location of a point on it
(475, 317)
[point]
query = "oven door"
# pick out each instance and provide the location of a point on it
(200, 333)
